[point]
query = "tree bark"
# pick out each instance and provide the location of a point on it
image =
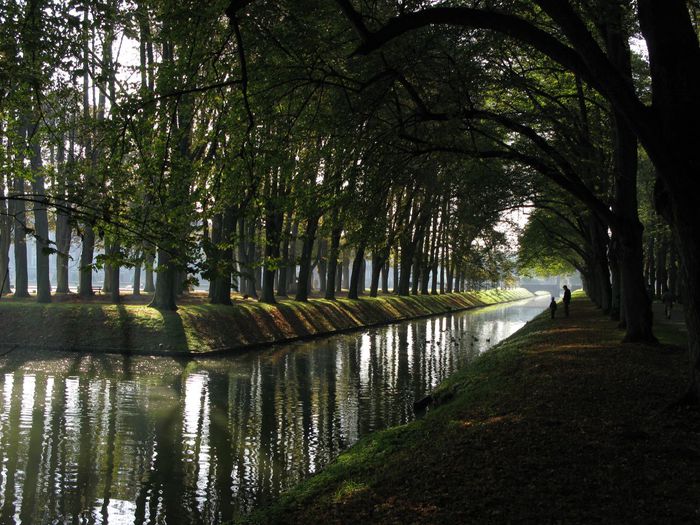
(282, 279)
(5, 240)
(246, 256)
(407, 258)
(385, 276)
(164, 297)
(63, 228)
(149, 286)
(599, 264)
(353, 290)
(292, 271)
(223, 227)
(273, 232)
(20, 238)
(332, 271)
(668, 129)
(136, 289)
(322, 265)
(638, 316)
(615, 286)
(378, 260)
(41, 225)
(87, 252)
(113, 275)
(305, 260)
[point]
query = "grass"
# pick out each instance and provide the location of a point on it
(196, 329)
(559, 423)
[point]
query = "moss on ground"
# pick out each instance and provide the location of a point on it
(205, 328)
(559, 423)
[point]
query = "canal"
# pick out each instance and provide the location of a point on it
(117, 439)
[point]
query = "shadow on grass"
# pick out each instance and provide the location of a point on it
(174, 331)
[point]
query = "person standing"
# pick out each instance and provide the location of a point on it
(552, 307)
(566, 300)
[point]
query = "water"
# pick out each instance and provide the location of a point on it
(114, 439)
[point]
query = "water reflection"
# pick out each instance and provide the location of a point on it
(97, 439)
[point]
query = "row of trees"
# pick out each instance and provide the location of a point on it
(157, 137)
(654, 105)
(387, 125)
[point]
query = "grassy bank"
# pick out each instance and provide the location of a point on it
(206, 328)
(559, 423)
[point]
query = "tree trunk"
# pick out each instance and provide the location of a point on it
(273, 232)
(637, 303)
(222, 231)
(257, 250)
(425, 280)
(385, 276)
(377, 267)
(5, 240)
(322, 265)
(407, 261)
(282, 278)
(356, 269)
(63, 238)
(688, 242)
(305, 260)
(246, 256)
(136, 290)
(113, 275)
(448, 286)
(442, 276)
(332, 271)
(292, 271)
(106, 270)
(417, 266)
(20, 248)
(339, 278)
(63, 228)
(363, 275)
(149, 285)
(87, 252)
(674, 58)
(615, 286)
(395, 270)
(41, 227)
(599, 246)
(167, 283)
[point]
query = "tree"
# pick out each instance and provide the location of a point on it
(674, 58)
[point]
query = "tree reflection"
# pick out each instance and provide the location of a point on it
(144, 440)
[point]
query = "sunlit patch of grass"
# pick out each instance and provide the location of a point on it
(200, 328)
(349, 489)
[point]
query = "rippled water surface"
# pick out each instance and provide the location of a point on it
(113, 439)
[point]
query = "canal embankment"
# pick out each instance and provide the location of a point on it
(205, 329)
(559, 423)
